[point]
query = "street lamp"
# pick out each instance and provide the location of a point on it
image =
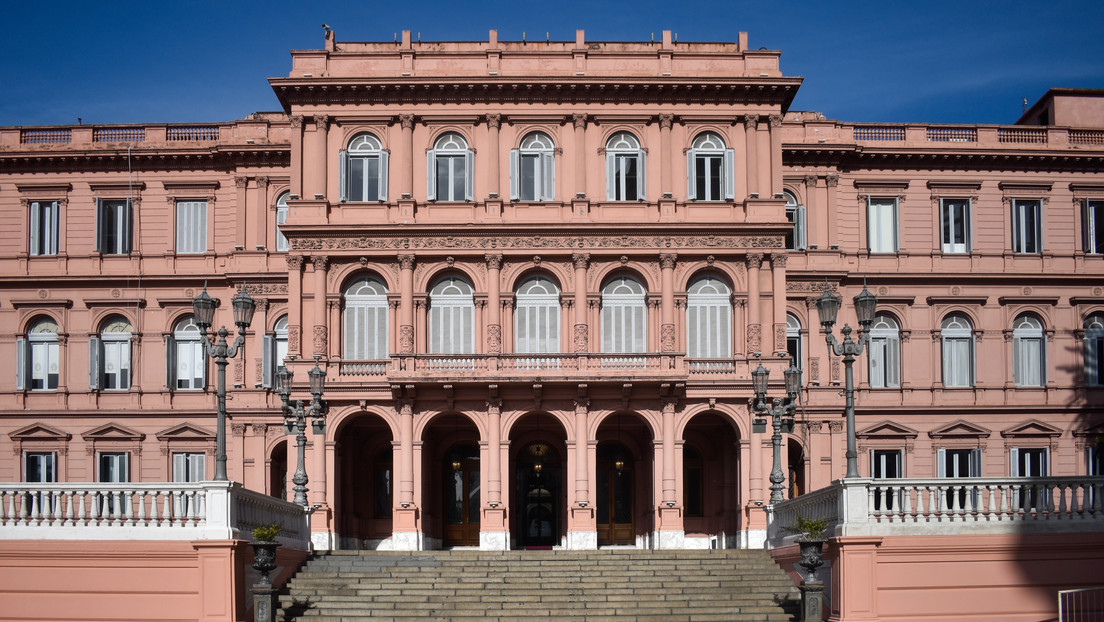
(781, 413)
(295, 420)
(203, 306)
(827, 307)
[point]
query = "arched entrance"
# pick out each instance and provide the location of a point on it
(623, 489)
(451, 490)
(710, 477)
(538, 503)
(277, 471)
(364, 472)
(795, 467)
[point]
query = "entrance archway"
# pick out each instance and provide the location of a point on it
(710, 476)
(624, 492)
(364, 473)
(538, 502)
(451, 491)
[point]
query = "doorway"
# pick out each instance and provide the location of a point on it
(614, 503)
(538, 493)
(460, 504)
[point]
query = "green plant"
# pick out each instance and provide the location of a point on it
(809, 528)
(266, 533)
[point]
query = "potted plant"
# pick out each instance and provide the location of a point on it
(264, 549)
(811, 538)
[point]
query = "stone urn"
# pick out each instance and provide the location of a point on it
(264, 558)
(812, 553)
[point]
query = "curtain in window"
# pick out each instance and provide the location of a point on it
(537, 318)
(451, 317)
(1028, 352)
(533, 169)
(623, 316)
(44, 228)
(885, 352)
(958, 352)
(362, 170)
(1027, 226)
(191, 226)
(449, 167)
(187, 362)
(281, 218)
(955, 217)
(708, 319)
(1094, 349)
(881, 225)
(113, 226)
(624, 168)
(365, 333)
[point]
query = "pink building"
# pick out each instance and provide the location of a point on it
(538, 277)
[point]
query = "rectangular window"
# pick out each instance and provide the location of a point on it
(113, 227)
(795, 240)
(44, 365)
(113, 467)
(959, 463)
(1092, 227)
(958, 362)
(189, 466)
(116, 363)
(44, 228)
(1029, 462)
(191, 365)
(881, 224)
(1027, 226)
(954, 216)
(886, 464)
(40, 466)
(191, 227)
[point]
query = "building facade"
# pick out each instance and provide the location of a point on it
(537, 276)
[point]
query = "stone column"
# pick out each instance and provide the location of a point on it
(754, 328)
(314, 167)
(494, 448)
(774, 176)
(406, 452)
(667, 302)
(406, 304)
(582, 477)
(579, 121)
(493, 122)
(831, 181)
(666, 154)
(262, 211)
(669, 489)
(321, 264)
(296, 155)
(404, 164)
(581, 331)
(295, 304)
(494, 305)
(751, 134)
(778, 274)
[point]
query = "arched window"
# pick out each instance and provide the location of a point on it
(537, 319)
(623, 316)
(958, 351)
(708, 318)
(709, 169)
(794, 345)
(281, 217)
(1028, 352)
(37, 357)
(885, 352)
(449, 167)
(275, 350)
(1094, 350)
(451, 317)
(533, 169)
(109, 356)
(795, 213)
(364, 320)
(363, 170)
(187, 362)
(624, 168)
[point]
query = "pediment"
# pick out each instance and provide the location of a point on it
(1092, 430)
(960, 429)
(185, 432)
(112, 432)
(887, 429)
(1033, 427)
(39, 432)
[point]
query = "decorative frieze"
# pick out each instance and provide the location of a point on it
(534, 242)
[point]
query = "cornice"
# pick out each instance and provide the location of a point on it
(854, 156)
(150, 159)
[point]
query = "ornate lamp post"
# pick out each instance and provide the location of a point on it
(203, 306)
(828, 306)
(781, 413)
(295, 419)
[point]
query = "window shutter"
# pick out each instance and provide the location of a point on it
(180, 467)
(343, 175)
(268, 360)
(384, 167)
(515, 171)
(611, 176)
(691, 175)
(101, 227)
(729, 175)
(53, 228)
(941, 463)
(36, 217)
(641, 184)
(893, 361)
(548, 175)
(800, 228)
(21, 363)
(975, 463)
(1092, 376)
(127, 219)
(877, 359)
(95, 363)
(1045, 470)
(431, 175)
(170, 362)
(1014, 462)
(469, 174)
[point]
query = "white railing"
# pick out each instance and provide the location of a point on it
(696, 367)
(538, 362)
(884, 507)
(365, 368)
(1084, 605)
(144, 511)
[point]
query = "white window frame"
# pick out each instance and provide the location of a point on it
(1028, 352)
(274, 349)
(47, 460)
(882, 224)
(624, 316)
(957, 340)
(452, 162)
(356, 179)
(883, 461)
(188, 467)
(1029, 462)
(795, 344)
(38, 356)
(1094, 349)
(710, 163)
(452, 317)
(109, 357)
(708, 318)
(44, 227)
(537, 316)
(795, 213)
(282, 245)
(114, 219)
(954, 225)
(113, 467)
(186, 357)
(622, 149)
(1092, 226)
(365, 320)
(969, 461)
(191, 227)
(534, 160)
(885, 352)
(1027, 226)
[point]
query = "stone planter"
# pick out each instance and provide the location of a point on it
(264, 559)
(812, 552)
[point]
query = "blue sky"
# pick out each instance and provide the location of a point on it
(921, 61)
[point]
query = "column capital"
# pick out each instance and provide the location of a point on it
(296, 121)
(775, 120)
(406, 121)
(831, 180)
(294, 262)
(754, 260)
(494, 121)
(406, 261)
(667, 260)
(778, 260)
(320, 262)
(579, 121)
(581, 260)
(751, 121)
(666, 121)
(239, 182)
(494, 261)
(322, 121)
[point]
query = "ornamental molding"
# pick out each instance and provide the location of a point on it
(534, 242)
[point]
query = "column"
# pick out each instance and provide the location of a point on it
(754, 328)
(406, 304)
(812, 215)
(755, 468)
(832, 181)
(295, 303)
(580, 153)
(778, 272)
(669, 490)
(581, 330)
(667, 302)
(406, 452)
(751, 134)
(772, 176)
(494, 449)
(666, 188)
(321, 263)
(582, 478)
(261, 210)
(296, 155)
(404, 163)
(314, 165)
(494, 304)
(241, 213)
(493, 122)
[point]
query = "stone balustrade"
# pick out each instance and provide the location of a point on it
(145, 511)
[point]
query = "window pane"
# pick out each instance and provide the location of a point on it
(356, 179)
(529, 164)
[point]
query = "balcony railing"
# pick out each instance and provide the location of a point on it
(1086, 137)
(1022, 136)
(879, 132)
(173, 134)
(118, 134)
(44, 136)
(905, 507)
(952, 135)
(144, 511)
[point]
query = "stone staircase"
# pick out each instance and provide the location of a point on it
(613, 584)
